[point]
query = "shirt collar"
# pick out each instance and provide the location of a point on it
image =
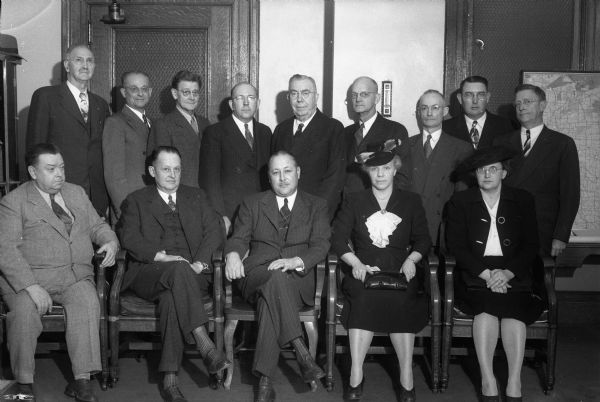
(534, 133)
(306, 123)
(165, 196)
(185, 114)
(240, 125)
(74, 90)
(480, 121)
(57, 197)
(368, 124)
(291, 200)
(435, 136)
(137, 112)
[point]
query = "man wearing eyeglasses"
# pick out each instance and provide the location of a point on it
(547, 165)
(183, 127)
(435, 155)
(372, 128)
(476, 125)
(234, 155)
(124, 140)
(316, 141)
(71, 117)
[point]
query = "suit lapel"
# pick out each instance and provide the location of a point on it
(134, 121)
(269, 207)
(419, 163)
(439, 161)
(299, 212)
(43, 210)
(541, 148)
(187, 218)
(157, 206)
(235, 139)
(69, 103)
(305, 138)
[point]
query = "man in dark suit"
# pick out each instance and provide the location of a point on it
(183, 127)
(234, 154)
(372, 128)
(317, 142)
(124, 140)
(476, 126)
(48, 226)
(170, 232)
(72, 118)
(286, 232)
(435, 155)
(547, 166)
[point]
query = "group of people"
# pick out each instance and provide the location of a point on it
(178, 189)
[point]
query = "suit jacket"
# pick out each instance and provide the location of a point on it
(229, 169)
(551, 173)
(433, 179)
(257, 231)
(469, 226)
(381, 130)
(54, 116)
(174, 130)
(34, 243)
(495, 127)
(124, 147)
(142, 227)
(320, 152)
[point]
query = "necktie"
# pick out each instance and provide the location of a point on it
(194, 124)
(84, 106)
(61, 214)
(285, 212)
(474, 133)
(527, 144)
(358, 134)
(427, 147)
(146, 120)
(171, 203)
(248, 135)
(299, 130)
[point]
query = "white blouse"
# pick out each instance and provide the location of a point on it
(492, 246)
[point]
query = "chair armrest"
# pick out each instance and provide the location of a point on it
(549, 281)
(332, 271)
(100, 277)
(115, 288)
(217, 264)
(449, 264)
(434, 289)
(320, 268)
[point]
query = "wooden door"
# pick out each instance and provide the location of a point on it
(216, 39)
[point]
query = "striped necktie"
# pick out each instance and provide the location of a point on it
(248, 136)
(61, 214)
(527, 144)
(474, 133)
(84, 107)
(427, 147)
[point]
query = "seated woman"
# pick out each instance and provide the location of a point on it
(388, 230)
(492, 231)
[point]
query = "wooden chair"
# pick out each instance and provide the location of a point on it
(236, 309)
(459, 325)
(54, 322)
(130, 313)
(335, 328)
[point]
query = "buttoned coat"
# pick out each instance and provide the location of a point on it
(174, 130)
(320, 152)
(495, 127)
(257, 231)
(433, 178)
(469, 226)
(381, 130)
(55, 117)
(124, 149)
(550, 172)
(34, 243)
(142, 227)
(229, 169)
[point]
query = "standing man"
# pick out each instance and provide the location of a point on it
(286, 233)
(234, 155)
(170, 233)
(372, 128)
(124, 140)
(435, 155)
(72, 118)
(48, 227)
(547, 166)
(316, 141)
(476, 126)
(183, 127)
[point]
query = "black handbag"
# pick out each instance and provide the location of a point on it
(386, 280)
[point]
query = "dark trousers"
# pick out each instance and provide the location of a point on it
(278, 302)
(179, 291)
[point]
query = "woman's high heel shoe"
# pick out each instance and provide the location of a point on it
(354, 393)
(406, 395)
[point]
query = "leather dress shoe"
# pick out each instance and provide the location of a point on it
(354, 393)
(173, 394)
(266, 393)
(514, 398)
(406, 395)
(216, 361)
(24, 392)
(81, 390)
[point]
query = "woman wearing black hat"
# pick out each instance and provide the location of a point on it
(388, 231)
(492, 231)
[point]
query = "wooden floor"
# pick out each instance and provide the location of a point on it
(578, 377)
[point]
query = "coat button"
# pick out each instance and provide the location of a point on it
(506, 242)
(501, 220)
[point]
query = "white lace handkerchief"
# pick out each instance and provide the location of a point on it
(381, 225)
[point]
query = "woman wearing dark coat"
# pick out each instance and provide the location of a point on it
(492, 231)
(388, 231)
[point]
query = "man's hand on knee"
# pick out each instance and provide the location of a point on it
(287, 264)
(40, 297)
(234, 268)
(111, 248)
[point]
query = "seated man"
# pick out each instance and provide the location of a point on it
(48, 226)
(170, 232)
(286, 233)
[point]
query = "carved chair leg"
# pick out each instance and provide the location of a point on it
(230, 326)
(113, 327)
(330, 350)
(550, 359)
(446, 346)
(313, 337)
(436, 341)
